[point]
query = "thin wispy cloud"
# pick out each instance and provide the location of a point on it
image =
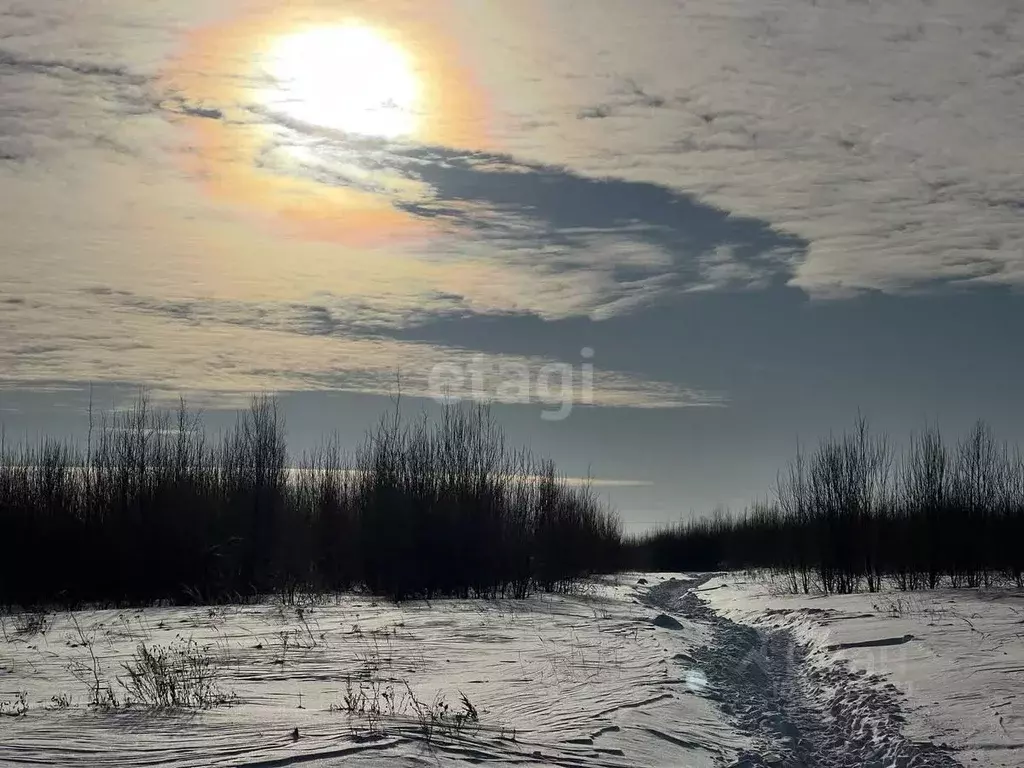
(235, 348)
(887, 135)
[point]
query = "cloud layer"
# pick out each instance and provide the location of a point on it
(887, 134)
(637, 156)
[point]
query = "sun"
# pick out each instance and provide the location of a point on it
(267, 98)
(348, 78)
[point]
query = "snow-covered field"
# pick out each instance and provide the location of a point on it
(574, 681)
(732, 674)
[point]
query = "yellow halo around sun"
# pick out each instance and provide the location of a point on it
(348, 78)
(386, 68)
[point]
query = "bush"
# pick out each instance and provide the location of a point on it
(851, 516)
(181, 676)
(378, 706)
(152, 508)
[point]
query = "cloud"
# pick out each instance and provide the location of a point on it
(887, 135)
(181, 107)
(68, 68)
(54, 108)
(631, 95)
(621, 242)
(608, 482)
(835, 148)
(208, 346)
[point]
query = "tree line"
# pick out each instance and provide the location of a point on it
(856, 514)
(151, 507)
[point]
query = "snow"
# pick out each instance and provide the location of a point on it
(953, 660)
(585, 680)
(640, 669)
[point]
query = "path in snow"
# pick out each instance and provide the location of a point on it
(798, 716)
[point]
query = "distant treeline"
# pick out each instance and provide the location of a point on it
(854, 514)
(151, 507)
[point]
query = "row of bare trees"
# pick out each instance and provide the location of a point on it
(856, 514)
(152, 507)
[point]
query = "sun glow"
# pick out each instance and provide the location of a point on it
(270, 96)
(346, 78)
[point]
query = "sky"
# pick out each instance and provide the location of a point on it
(667, 240)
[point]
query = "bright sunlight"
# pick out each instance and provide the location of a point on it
(348, 78)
